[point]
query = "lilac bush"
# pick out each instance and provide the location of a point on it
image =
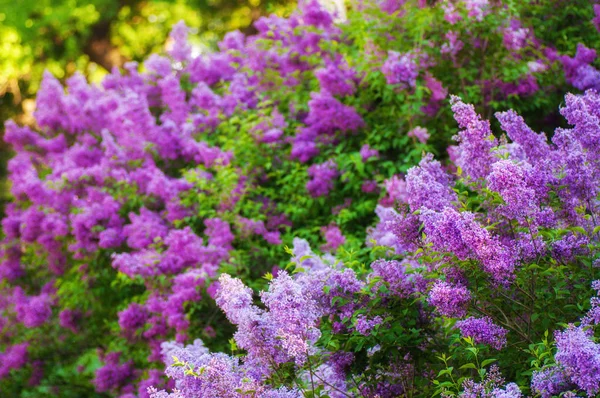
(149, 211)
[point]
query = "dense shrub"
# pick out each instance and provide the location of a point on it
(149, 209)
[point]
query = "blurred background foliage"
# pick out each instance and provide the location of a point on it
(94, 36)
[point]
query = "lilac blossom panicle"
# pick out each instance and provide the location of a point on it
(534, 145)
(337, 79)
(395, 273)
(596, 20)
(578, 69)
(295, 314)
(395, 230)
(579, 356)
(333, 238)
(462, 235)
(511, 181)
(449, 300)
(593, 315)
(322, 175)
(429, 186)
(395, 187)
(483, 331)
(365, 325)
(13, 357)
(180, 48)
(420, 133)
(401, 69)
(477, 9)
(113, 374)
(492, 386)
(550, 381)
(475, 140)
(366, 152)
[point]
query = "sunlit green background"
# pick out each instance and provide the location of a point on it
(92, 37)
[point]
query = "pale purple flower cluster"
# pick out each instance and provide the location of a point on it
(395, 187)
(579, 356)
(475, 140)
(449, 300)
(477, 9)
(365, 325)
(483, 331)
(214, 376)
(366, 152)
(395, 230)
(326, 116)
(337, 78)
(420, 133)
(578, 69)
(32, 311)
(513, 182)
(429, 186)
(321, 178)
(516, 37)
(13, 357)
(112, 374)
(401, 69)
(462, 235)
(133, 317)
(394, 273)
(333, 238)
(550, 381)
(285, 332)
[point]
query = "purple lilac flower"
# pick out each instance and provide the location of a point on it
(401, 69)
(483, 331)
(338, 79)
(366, 152)
(326, 116)
(515, 36)
(394, 273)
(68, 319)
(461, 235)
(450, 300)
(322, 176)
(579, 356)
(450, 14)
(113, 374)
(578, 70)
(133, 318)
(475, 140)
(477, 8)
(395, 187)
(550, 381)
(369, 186)
(295, 313)
(333, 238)
(511, 181)
(511, 390)
(535, 145)
(33, 311)
(429, 186)
(364, 325)
(144, 229)
(398, 231)
(420, 133)
(13, 357)
(593, 315)
(570, 246)
(454, 44)
(180, 48)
